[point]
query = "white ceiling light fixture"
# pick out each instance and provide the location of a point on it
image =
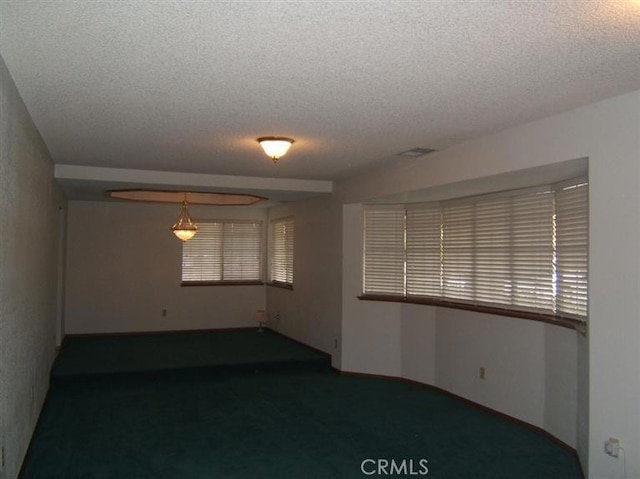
(275, 146)
(184, 229)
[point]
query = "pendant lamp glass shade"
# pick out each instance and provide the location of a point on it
(184, 229)
(275, 146)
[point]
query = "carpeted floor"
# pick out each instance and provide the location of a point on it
(275, 411)
(90, 355)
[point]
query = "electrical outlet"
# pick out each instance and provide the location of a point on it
(482, 373)
(164, 312)
(335, 344)
(612, 447)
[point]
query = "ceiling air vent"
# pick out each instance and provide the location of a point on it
(414, 153)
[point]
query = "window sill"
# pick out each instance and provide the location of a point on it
(221, 283)
(580, 326)
(288, 286)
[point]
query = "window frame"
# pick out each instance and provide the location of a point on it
(556, 317)
(260, 251)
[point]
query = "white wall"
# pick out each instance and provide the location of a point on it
(614, 282)
(371, 331)
(607, 133)
(29, 204)
(582, 399)
(418, 342)
(562, 376)
(123, 269)
(512, 353)
(310, 313)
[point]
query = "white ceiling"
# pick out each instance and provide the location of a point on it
(187, 86)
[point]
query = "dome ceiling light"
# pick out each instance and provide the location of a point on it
(275, 146)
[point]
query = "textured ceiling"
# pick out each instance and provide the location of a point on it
(187, 86)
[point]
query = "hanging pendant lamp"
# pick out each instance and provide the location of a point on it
(184, 229)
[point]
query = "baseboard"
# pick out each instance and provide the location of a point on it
(163, 331)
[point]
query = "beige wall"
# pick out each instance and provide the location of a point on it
(29, 208)
(598, 381)
(311, 311)
(123, 269)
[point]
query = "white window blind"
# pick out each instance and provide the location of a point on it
(281, 251)
(523, 250)
(223, 251)
(572, 226)
(424, 252)
(384, 256)
(493, 250)
(532, 252)
(457, 251)
(498, 250)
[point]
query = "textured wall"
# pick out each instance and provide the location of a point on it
(28, 247)
(124, 266)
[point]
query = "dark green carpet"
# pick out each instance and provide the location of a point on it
(83, 355)
(272, 422)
